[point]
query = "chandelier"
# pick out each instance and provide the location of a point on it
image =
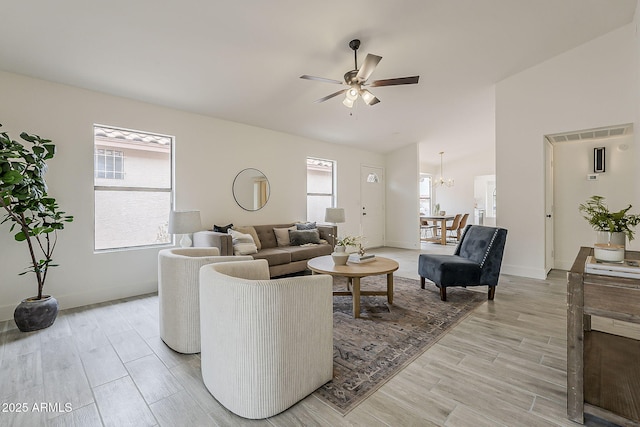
(442, 181)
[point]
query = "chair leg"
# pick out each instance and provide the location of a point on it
(443, 293)
(492, 292)
(422, 282)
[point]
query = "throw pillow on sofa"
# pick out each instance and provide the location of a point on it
(252, 231)
(282, 235)
(306, 225)
(222, 228)
(304, 237)
(243, 244)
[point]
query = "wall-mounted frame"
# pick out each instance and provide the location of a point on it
(598, 160)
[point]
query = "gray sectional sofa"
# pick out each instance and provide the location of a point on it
(282, 259)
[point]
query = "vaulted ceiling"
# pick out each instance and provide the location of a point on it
(242, 60)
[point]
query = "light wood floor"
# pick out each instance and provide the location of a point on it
(504, 365)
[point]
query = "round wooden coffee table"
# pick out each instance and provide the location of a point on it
(353, 272)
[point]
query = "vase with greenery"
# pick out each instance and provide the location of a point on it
(34, 216)
(603, 220)
(347, 241)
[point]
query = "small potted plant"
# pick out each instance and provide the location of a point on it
(613, 228)
(35, 219)
(342, 243)
(340, 255)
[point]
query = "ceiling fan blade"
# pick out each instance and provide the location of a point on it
(368, 97)
(370, 64)
(330, 96)
(393, 82)
(321, 79)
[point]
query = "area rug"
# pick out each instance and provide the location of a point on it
(369, 351)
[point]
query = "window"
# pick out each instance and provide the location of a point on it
(320, 187)
(132, 199)
(425, 194)
(109, 164)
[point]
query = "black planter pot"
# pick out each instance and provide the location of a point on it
(33, 314)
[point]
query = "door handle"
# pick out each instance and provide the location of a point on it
(548, 215)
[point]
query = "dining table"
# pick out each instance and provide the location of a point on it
(442, 219)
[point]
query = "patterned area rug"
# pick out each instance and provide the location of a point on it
(369, 351)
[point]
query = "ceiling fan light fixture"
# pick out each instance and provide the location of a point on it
(352, 94)
(356, 78)
(368, 97)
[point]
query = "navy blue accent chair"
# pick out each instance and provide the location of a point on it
(476, 261)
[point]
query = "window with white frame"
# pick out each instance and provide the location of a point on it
(425, 194)
(108, 164)
(132, 201)
(320, 187)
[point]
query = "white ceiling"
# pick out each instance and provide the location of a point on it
(241, 60)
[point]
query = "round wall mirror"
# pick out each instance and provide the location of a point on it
(251, 189)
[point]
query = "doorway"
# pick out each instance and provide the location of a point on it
(372, 209)
(571, 178)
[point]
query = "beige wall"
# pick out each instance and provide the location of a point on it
(208, 155)
(591, 86)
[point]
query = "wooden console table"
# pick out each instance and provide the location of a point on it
(603, 370)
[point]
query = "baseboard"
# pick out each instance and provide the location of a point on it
(402, 245)
(563, 265)
(66, 301)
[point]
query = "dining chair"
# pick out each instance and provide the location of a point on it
(425, 228)
(454, 225)
(461, 226)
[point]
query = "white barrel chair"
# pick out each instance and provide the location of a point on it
(266, 344)
(178, 294)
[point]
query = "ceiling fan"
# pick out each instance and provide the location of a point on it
(356, 79)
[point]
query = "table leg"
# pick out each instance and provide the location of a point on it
(390, 288)
(355, 291)
(443, 231)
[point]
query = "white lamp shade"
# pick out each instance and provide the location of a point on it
(334, 215)
(184, 222)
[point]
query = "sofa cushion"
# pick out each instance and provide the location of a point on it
(303, 237)
(302, 253)
(449, 270)
(274, 256)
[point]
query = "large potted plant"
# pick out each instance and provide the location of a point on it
(35, 219)
(613, 228)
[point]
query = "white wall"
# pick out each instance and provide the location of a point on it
(208, 155)
(593, 85)
(572, 162)
(403, 198)
(484, 187)
(461, 197)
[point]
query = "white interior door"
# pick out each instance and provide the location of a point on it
(372, 209)
(549, 260)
